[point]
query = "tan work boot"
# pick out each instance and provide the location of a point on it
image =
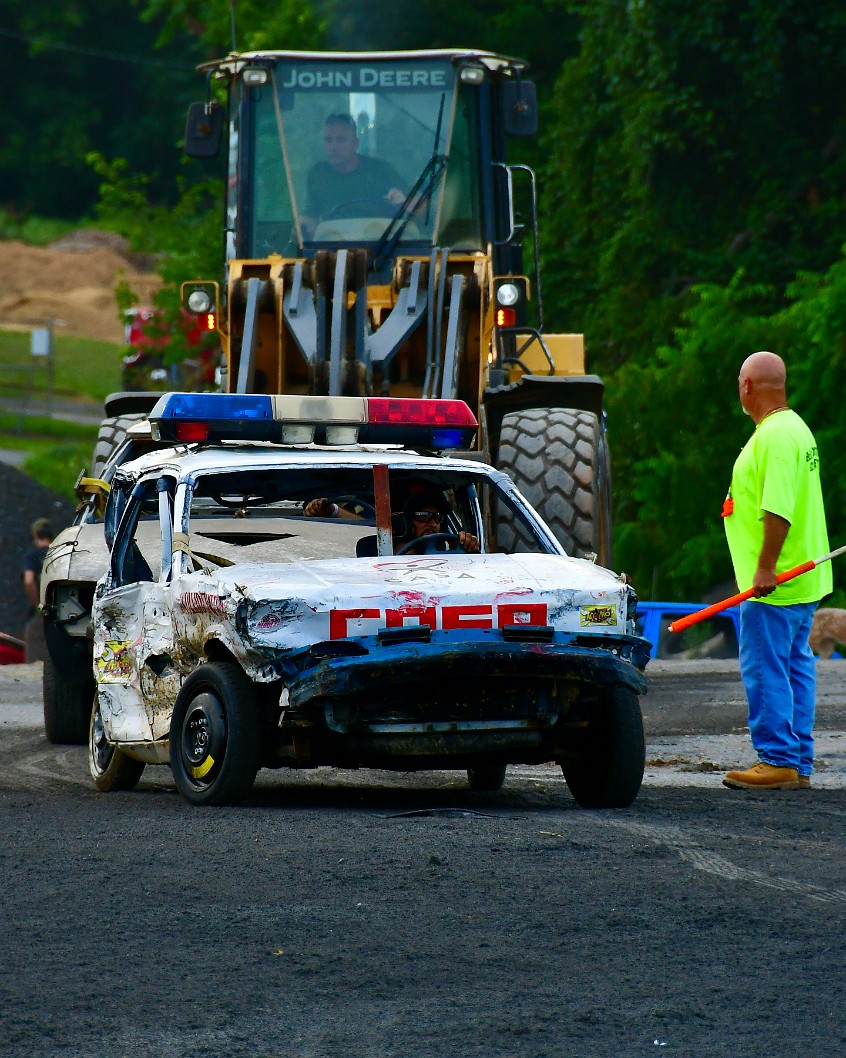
(763, 777)
(804, 782)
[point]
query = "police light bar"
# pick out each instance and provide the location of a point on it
(408, 421)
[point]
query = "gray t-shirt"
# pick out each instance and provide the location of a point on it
(358, 193)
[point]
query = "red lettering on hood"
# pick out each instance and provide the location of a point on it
(534, 613)
(466, 617)
(445, 618)
(338, 620)
(426, 615)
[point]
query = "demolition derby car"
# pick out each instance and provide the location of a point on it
(306, 581)
(75, 561)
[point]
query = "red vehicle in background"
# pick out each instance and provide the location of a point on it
(147, 334)
(11, 650)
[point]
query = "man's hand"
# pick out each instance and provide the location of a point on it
(764, 581)
(395, 196)
(469, 543)
(320, 508)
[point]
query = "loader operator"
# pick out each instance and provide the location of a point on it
(346, 183)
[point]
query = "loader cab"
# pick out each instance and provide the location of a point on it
(393, 153)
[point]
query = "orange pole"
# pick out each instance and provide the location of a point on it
(718, 607)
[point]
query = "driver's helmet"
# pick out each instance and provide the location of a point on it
(423, 498)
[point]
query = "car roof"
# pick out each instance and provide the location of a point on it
(190, 460)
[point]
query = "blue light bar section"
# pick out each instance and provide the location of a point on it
(213, 407)
(450, 438)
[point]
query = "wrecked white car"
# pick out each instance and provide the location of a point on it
(74, 563)
(287, 603)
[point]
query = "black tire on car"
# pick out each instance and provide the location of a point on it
(214, 736)
(110, 768)
(558, 458)
(606, 770)
(486, 777)
(112, 432)
(67, 706)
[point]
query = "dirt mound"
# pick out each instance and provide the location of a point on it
(73, 283)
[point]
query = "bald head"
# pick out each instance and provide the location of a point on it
(761, 384)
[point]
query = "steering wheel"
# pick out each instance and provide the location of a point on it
(429, 540)
(358, 502)
(362, 207)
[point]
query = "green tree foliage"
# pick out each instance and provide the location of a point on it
(79, 77)
(542, 31)
(679, 425)
(186, 237)
(696, 168)
(686, 142)
(186, 233)
(248, 24)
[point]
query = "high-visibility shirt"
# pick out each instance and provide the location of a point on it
(778, 470)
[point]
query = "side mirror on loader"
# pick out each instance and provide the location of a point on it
(519, 108)
(203, 130)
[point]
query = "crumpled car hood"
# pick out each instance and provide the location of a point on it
(290, 605)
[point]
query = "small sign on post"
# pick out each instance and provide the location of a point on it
(42, 341)
(41, 345)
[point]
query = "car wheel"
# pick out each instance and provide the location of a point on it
(486, 777)
(214, 736)
(67, 706)
(607, 768)
(110, 768)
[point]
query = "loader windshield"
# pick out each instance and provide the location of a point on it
(339, 149)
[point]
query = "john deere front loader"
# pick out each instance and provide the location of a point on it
(408, 277)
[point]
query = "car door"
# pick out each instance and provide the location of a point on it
(132, 631)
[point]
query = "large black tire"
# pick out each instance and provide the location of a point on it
(67, 706)
(214, 736)
(558, 458)
(110, 768)
(486, 777)
(112, 432)
(607, 770)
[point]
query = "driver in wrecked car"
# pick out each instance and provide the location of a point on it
(422, 516)
(346, 183)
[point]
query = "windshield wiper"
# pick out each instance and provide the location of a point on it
(422, 190)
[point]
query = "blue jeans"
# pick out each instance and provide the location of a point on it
(778, 671)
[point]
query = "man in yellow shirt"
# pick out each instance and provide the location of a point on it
(774, 520)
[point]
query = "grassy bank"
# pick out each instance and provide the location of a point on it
(83, 369)
(84, 373)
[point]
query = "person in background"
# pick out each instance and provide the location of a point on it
(774, 520)
(41, 536)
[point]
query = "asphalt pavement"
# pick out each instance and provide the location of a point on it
(694, 716)
(393, 915)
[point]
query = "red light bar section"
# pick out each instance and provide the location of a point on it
(189, 432)
(506, 317)
(414, 411)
